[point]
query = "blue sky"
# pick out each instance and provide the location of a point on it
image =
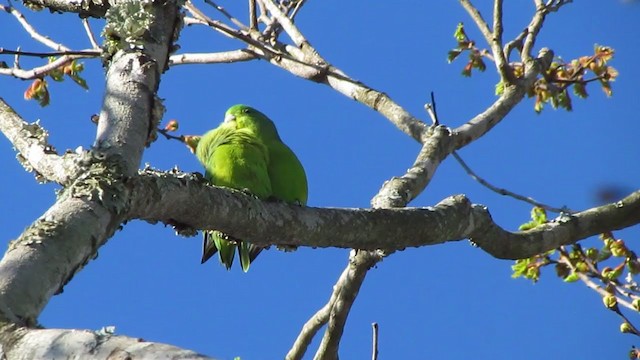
(449, 301)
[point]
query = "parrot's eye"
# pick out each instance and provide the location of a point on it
(246, 111)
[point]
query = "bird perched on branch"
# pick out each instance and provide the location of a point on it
(246, 153)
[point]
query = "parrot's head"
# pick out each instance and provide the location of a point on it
(246, 117)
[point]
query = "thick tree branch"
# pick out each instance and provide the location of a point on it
(169, 198)
(88, 212)
(34, 152)
(564, 230)
(58, 343)
(399, 191)
(85, 8)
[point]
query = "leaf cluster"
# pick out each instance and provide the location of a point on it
(465, 44)
(39, 88)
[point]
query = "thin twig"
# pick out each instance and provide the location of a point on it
(31, 30)
(224, 12)
(374, 351)
(253, 18)
(85, 53)
(92, 38)
(477, 18)
(505, 192)
(41, 70)
(286, 23)
(591, 284)
(431, 110)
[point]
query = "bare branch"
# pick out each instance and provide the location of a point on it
(286, 23)
(347, 290)
(501, 61)
(253, 18)
(512, 95)
(399, 191)
(31, 30)
(93, 8)
(169, 198)
(374, 342)
(85, 53)
(34, 152)
(92, 38)
(40, 71)
(536, 23)
(313, 325)
(506, 192)
(213, 58)
(33, 343)
(224, 12)
(478, 19)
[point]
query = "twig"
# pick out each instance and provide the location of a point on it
(431, 110)
(374, 351)
(34, 151)
(286, 23)
(85, 53)
(41, 70)
(224, 12)
(31, 30)
(477, 18)
(213, 58)
(534, 28)
(501, 61)
(591, 284)
(347, 290)
(505, 192)
(314, 324)
(253, 18)
(92, 38)
(168, 136)
(229, 31)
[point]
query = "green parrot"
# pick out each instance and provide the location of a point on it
(246, 153)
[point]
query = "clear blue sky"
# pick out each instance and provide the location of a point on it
(449, 301)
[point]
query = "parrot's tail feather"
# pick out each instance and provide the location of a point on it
(226, 248)
(247, 252)
(208, 246)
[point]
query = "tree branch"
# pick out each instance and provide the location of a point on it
(40, 71)
(478, 19)
(84, 344)
(315, 323)
(91, 209)
(85, 8)
(212, 58)
(512, 95)
(34, 151)
(169, 198)
(505, 192)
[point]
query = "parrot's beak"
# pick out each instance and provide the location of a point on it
(229, 118)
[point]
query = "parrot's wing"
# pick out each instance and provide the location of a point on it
(237, 159)
(287, 175)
